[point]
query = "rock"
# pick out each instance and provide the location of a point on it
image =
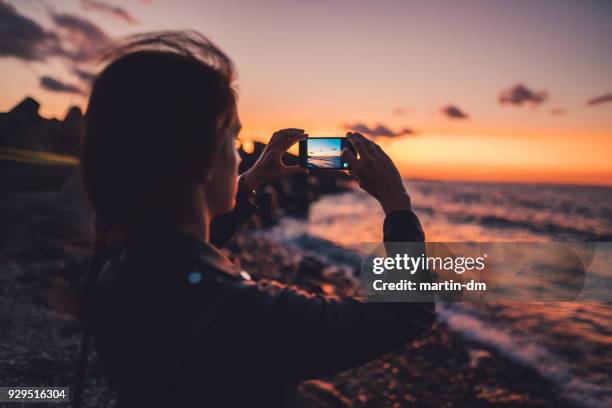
(68, 136)
(310, 267)
(25, 177)
(76, 210)
(26, 111)
(24, 133)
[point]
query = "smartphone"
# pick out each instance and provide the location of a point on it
(324, 153)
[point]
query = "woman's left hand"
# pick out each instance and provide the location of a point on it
(269, 166)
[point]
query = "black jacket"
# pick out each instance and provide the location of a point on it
(178, 325)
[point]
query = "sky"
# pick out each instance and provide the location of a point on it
(324, 147)
(452, 90)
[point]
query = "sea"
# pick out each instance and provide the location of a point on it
(569, 343)
(333, 162)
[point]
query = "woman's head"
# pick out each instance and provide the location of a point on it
(160, 126)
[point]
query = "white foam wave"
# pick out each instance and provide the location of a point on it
(525, 351)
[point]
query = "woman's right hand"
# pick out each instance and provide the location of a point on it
(376, 173)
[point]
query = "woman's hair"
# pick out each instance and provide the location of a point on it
(153, 125)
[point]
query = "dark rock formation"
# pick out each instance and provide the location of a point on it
(24, 134)
(23, 128)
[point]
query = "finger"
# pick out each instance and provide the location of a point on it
(358, 144)
(279, 134)
(349, 157)
(378, 151)
(362, 138)
(285, 133)
(369, 144)
(285, 143)
(355, 175)
(290, 131)
(274, 137)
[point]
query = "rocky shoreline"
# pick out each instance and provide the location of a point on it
(40, 336)
(45, 244)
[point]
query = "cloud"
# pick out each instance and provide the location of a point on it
(76, 39)
(453, 112)
(598, 100)
(519, 94)
(558, 111)
(379, 130)
(109, 9)
(55, 85)
(23, 38)
(81, 38)
(83, 75)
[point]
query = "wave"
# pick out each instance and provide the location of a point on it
(549, 229)
(334, 162)
(327, 250)
(525, 351)
(320, 248)
(543, 228)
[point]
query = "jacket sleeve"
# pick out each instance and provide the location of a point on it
(297, 335)
(223, 227)
(403, 226)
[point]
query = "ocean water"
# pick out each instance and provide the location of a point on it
(325, 162)
(569, 343)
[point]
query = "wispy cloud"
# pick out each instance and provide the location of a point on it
(23, 38)
(81, 38)
(378, 130)
(109, 9)
(84, 75)
(520, 94)
(55, 85)
(598, 100)
(453, 112)
(558, 111)
(76, 39)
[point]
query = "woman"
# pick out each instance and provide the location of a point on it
(176, 323)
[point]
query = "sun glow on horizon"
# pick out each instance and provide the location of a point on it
(444, 95)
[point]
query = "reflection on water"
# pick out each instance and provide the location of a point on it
(567, 342)
(324, 162)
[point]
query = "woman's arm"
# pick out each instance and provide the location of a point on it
(297, 335)
(269, 167)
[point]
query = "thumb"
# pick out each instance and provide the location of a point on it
(349, 157)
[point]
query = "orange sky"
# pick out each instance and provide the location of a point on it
(322, 65)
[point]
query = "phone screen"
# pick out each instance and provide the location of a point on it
(324, 153)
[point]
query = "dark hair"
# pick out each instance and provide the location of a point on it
(153, 125)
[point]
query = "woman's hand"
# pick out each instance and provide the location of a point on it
(269, 166)
(376, 173)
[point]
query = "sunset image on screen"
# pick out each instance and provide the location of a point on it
(324, 153)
